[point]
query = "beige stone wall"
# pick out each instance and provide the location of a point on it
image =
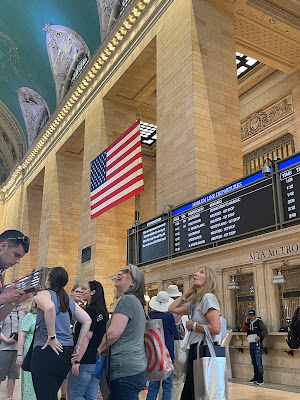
(199, 146)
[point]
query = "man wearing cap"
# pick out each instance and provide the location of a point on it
(180, 321)
(13, 246)
(159, 305)
(256, 332)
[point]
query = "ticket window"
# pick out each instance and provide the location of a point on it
(289, 295)
(244, 298)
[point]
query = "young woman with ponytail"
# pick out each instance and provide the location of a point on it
(82, 384)
(53, 340)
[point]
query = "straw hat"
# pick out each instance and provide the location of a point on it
(161, 302)
(173, 291)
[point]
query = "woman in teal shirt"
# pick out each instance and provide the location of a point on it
(125, 336)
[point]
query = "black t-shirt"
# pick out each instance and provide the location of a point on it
(98, 327)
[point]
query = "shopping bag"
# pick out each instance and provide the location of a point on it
(210, 376)
(100, 365)
(160, 365)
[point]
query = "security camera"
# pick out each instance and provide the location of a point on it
(266, 170)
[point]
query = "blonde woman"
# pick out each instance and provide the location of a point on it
(203, 308)
(24, 341)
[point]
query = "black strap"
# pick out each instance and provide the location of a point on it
(70, 314)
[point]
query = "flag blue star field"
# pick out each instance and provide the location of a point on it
(117, 174)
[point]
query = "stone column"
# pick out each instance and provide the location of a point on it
(199, 141)
(261, 301)
(59, 232)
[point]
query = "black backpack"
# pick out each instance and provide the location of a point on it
(293, 339)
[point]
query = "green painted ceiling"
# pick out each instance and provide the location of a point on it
(23, 54)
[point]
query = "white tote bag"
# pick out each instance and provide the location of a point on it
(210, 376)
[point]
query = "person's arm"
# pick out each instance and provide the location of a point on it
(13, 295)
(85, 320)
(264, 330)
(44, 302)
(6, 340)
(21, 338)
(77, 356)
(214, 323)
(178, 306)
(115, 330)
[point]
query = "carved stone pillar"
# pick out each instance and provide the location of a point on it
(198, 121)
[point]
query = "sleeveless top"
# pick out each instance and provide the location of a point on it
(62, 324)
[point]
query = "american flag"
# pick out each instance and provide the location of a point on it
(117, 174)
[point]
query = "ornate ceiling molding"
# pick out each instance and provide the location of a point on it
(284, 11)
(264, 119)
(34, 108)
(12, 142)
(63, 45)
(267, 39)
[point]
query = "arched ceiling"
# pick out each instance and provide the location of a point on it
(24, 63)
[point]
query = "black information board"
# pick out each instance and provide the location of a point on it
(34, 279)
(153, 239)
(248, 206)
(289, 175)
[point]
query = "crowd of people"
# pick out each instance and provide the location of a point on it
(67, 333)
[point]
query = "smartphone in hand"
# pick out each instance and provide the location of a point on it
(29, 290)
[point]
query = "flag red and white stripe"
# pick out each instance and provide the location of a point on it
(117, 174)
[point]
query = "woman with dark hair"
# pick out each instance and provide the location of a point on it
(53, 340)
(125, 336)
(82, 383)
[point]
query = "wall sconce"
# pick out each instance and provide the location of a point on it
(278, 279)
(233, 285)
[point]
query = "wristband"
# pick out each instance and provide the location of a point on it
(14, 304)
(183, 298)
(77, 362)
(19, 355)
(194, 327)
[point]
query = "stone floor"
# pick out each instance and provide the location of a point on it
(237, 391)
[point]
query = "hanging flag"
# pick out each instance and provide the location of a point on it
(117, 174)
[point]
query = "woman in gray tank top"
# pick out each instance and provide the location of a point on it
(53, 341)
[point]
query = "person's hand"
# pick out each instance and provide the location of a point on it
(190, 291)
(28, 296)
(19, 361)
(257, 338)
(75, 369)
(74, 356)
(11, 295)
(189, 324)
(11, 340)
(55, 345)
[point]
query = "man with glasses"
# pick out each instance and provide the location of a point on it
(13, 246)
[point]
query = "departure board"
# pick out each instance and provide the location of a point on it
(290, 187)
(153, 239)
(33, 279)
(240, 208)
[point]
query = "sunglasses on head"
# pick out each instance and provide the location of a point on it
(125, 271)
(24, 239)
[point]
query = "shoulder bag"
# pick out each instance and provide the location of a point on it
(160, 364)
(210, 376)
(26, 364)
